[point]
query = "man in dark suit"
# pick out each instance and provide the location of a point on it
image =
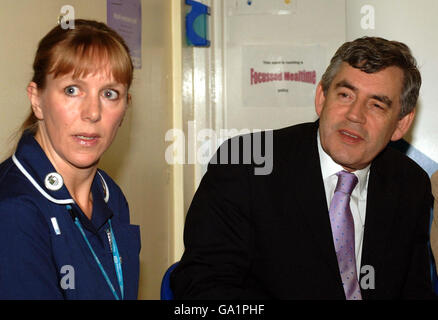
(341, 215)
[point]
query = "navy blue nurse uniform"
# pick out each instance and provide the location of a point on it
(43, 254)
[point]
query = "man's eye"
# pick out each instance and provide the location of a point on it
(377, 106)
(343, 95)
(111, 94)
(71, 91)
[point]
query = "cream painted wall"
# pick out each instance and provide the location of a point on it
(136, 159)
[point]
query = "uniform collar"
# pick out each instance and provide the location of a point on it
(36, 167)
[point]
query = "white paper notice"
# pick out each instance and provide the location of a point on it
(281, 76)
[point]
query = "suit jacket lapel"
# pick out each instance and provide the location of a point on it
(382, 194)
(308, 185)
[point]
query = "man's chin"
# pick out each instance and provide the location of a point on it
(348, 163)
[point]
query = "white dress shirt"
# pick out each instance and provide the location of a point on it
(358, 199)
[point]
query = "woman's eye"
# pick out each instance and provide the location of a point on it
(111, 94)
(71, 91)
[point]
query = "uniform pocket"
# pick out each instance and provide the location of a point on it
(130, 242)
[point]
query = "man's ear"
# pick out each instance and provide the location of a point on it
(35, 100)
(403, 126)
(319, 99)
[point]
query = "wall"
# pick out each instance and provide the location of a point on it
(306, 23)
(136, 159)
(212, 77)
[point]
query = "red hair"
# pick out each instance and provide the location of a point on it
(88, 48)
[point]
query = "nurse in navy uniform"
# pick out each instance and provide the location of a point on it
(65, 230)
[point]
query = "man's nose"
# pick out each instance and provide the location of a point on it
(356, 111)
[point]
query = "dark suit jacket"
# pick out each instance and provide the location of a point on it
(253, 236)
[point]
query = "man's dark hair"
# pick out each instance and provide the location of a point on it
(373, 54)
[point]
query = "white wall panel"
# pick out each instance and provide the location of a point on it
(264, 23)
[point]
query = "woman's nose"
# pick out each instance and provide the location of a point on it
(91, 109)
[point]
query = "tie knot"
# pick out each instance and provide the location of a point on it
(346, 182)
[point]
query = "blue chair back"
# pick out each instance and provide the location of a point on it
(166, 292)
(434, 278)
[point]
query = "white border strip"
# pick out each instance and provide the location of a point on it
(106, 187)
(37, 186)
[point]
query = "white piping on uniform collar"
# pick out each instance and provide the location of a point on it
(37, 186)
(44, 193)
(105, 187)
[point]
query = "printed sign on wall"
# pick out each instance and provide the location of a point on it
(257, 7)
(281, 76)
(124, 16)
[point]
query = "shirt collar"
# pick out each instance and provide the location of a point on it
(329, 168)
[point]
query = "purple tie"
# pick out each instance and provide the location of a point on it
(343, 233)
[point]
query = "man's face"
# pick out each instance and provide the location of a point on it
(360, 115)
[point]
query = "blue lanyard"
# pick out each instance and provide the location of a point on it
(116, 258)
(115, 252)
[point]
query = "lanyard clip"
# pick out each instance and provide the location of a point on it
(110, 239)
(71, 212)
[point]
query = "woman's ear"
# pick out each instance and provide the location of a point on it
(35, 100)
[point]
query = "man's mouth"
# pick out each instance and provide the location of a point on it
(350, 136)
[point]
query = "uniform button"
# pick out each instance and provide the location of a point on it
(53, 181)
